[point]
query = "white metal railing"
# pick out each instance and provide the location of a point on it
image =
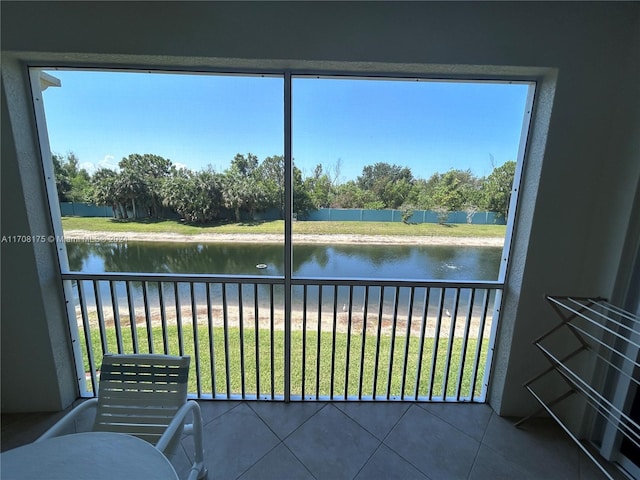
(339, 339)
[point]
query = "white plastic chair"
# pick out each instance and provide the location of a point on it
(144, 396)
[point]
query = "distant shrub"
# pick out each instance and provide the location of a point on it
(406, 212)
(443, 214)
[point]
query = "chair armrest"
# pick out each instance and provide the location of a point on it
(68, 419)
(178, 422)
(198, 470)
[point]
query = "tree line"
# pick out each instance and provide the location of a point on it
(148, 185)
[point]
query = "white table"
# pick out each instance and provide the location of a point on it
(93, 455)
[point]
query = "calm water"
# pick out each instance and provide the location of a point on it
(342, 261)
(353, 261)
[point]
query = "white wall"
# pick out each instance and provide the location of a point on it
(586, 54)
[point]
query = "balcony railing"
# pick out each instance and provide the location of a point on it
(338, 339)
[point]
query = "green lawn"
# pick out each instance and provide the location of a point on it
(277, 227)
(345, 379)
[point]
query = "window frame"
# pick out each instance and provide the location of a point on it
(533, 77)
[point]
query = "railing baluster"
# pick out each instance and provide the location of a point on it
(132, 318)
(103, 333)
(452, 336)
(116, 314)
(257, 337)
(378, 339)
(196, 349)
(476, 361)
(350, 318)
(176, 292)
(147, 315)
(318, 347)
(272, 340)
(225, 327)
(423, 328)
(364, 338)
(87, 337)
(304, 338)
(241, 326)
(405, 361)
(465, 342)
(212, 352)
(163, 319)
(393, 340)
(436, 343)
(333, 340)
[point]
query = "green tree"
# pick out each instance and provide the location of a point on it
(73, 184)
(177, 192)
(391, 184)
(496, 189)
(350, 195)
(208, 198)
(319, 187)
(105, 191)
(241, 187)
(302, 203)
(395, 193)
(130, 188)
(63, 184)
(271, 177)
(454, 189)
(195, 196)
(80, 187)
(144, 175)
(422, 191)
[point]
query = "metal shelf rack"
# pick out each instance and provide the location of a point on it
(611, 337)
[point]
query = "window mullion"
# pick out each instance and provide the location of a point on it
(288, 243)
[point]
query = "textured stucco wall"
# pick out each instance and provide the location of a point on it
(37, 366)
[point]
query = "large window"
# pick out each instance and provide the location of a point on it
(402, 178)
(359, 253)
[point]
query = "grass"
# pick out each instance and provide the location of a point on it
(277, 227)
(237, 351)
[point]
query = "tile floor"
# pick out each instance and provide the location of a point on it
(299, 441)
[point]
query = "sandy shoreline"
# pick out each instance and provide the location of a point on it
(92, 236)
(265, 322)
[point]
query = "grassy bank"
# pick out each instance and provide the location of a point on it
(230, 353)
(96, 224)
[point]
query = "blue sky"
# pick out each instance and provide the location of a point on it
(201, 120)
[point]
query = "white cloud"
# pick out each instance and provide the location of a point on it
(179, 165)
(109, 161)
(89, 167)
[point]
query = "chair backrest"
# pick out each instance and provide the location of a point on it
(140, 394)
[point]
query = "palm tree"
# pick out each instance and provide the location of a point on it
(105, 190)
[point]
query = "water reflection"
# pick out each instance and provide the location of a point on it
(416, 262)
